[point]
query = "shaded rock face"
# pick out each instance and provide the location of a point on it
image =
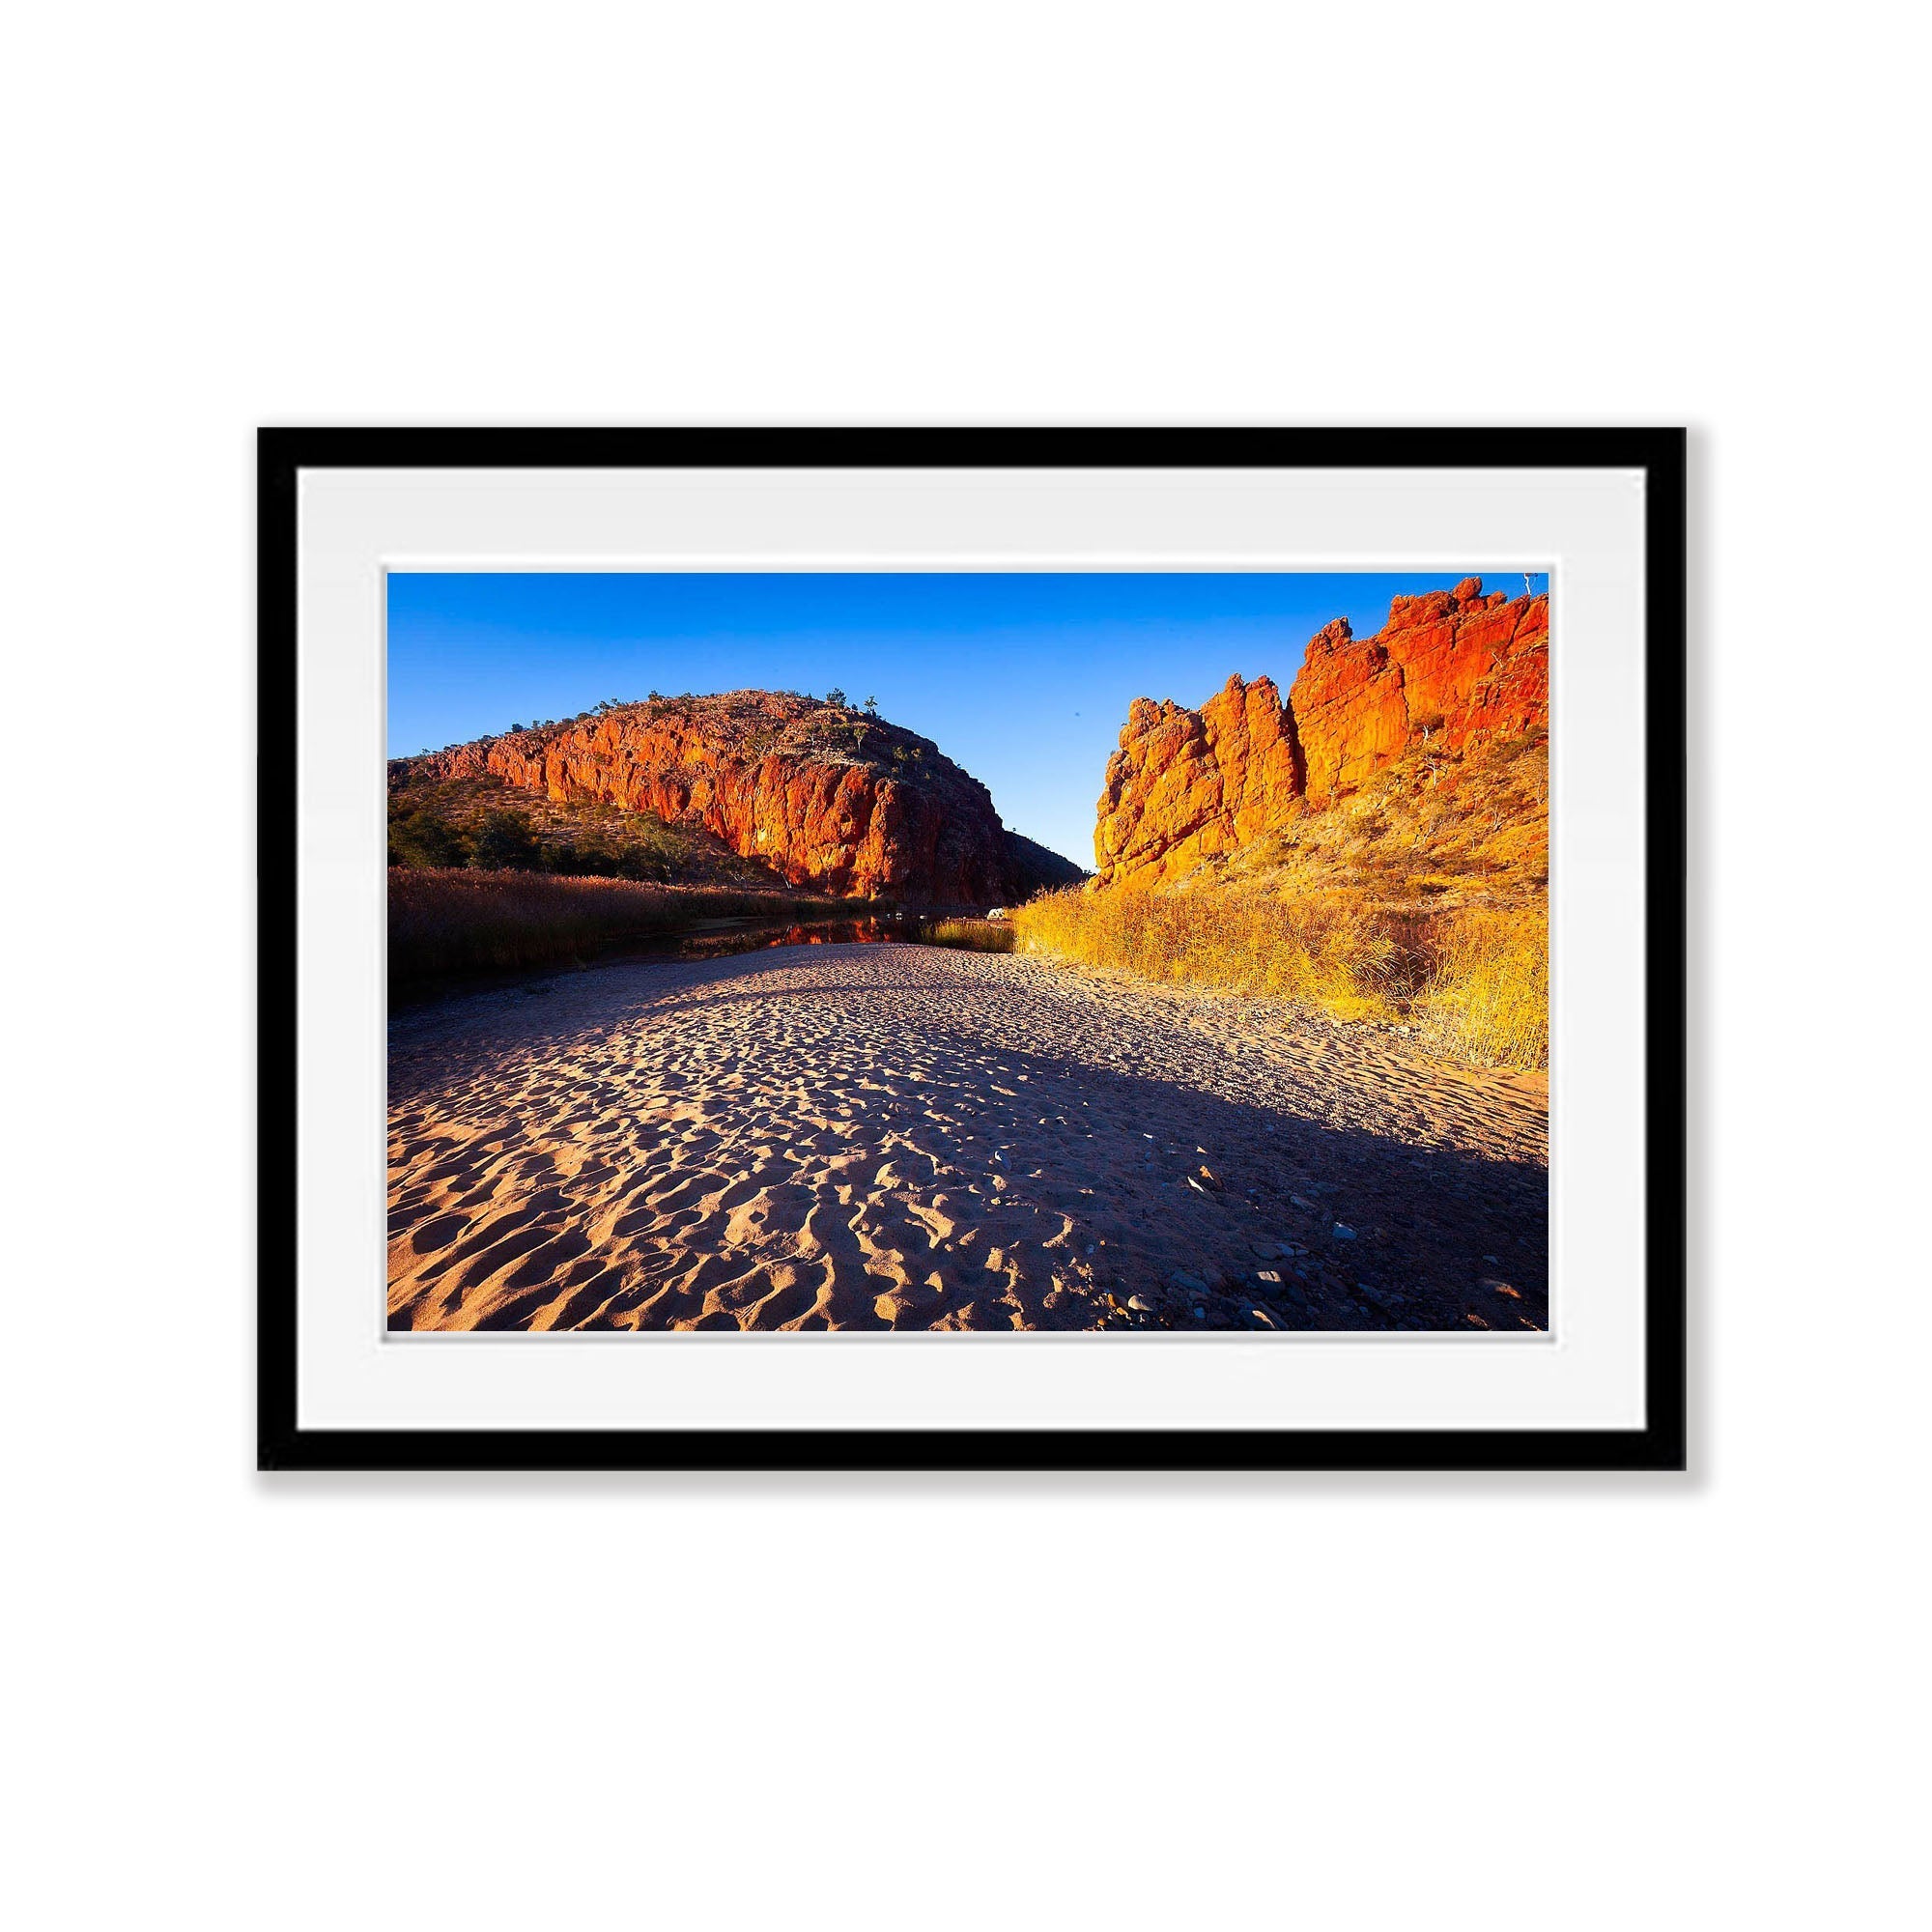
(1458, 667)
(828, 798)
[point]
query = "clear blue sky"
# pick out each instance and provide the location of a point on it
(1023, 679)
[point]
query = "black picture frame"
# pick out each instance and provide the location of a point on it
(1660, 1444)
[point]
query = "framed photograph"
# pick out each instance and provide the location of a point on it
(972, 949)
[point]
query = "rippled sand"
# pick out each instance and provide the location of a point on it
(900, 1136)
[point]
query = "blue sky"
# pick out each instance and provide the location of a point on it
(1023, 679)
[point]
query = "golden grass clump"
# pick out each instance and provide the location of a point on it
(1474, 980)
(1323, 948)
(1488, 998)
(969, 935)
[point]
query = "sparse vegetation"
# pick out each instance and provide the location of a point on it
(484, 823)
(1421, 901)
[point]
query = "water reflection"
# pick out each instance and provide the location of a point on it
(726, 939)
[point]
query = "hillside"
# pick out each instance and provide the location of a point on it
(812, 794)
(1451, 673)
(484, 821)
(1376, 846)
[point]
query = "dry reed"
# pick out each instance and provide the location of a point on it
(969, 935)
(447, 922)
(1474, 980)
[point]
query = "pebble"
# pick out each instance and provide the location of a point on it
(1343, 1234)
(1301, 1203)
(1269, 1274)
(1192, 1283)
(1140, 1303)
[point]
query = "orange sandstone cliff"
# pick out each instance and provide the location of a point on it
(829, 797)
(1456, 666)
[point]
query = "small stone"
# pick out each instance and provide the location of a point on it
(1200, 1315)
(1139, 1304)
(1191, 1283)
(1343, 1234)
(1270, 1274)
(1301, 1203)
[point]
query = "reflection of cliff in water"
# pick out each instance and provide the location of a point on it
(723, 940)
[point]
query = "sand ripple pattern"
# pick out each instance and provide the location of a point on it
(903, 1137)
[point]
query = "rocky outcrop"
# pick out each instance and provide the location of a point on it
(1188, 785)
(1454, 667)
(829, 797)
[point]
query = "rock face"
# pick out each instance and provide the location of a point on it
(1187, 786)
(830, 798)
(1455, 665)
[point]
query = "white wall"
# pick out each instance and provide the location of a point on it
(1508, 1703)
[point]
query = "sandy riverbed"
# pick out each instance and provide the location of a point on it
(872, 1136)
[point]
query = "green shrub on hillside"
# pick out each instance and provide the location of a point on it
(425, 838)
(506, 844)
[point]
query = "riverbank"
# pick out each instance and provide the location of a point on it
(912, 1137)
(447, 923)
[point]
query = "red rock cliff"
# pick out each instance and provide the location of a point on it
(1188, 785)
(828, 797)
